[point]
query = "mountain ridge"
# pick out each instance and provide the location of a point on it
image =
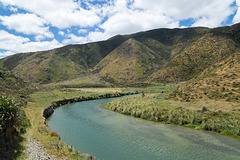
(180, 54)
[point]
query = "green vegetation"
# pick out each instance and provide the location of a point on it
(11, 85)
(152, 107)
(13, 123)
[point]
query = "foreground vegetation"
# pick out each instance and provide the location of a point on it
(150, 105)
(13, 124)
(153, 107)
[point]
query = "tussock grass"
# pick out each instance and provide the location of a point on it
(153, 107)
(220, 82)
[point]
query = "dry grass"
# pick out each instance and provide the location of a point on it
(89, 79)
(221, 83)
(195, 115)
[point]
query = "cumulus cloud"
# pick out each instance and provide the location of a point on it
(39, 46)
(133, 21)
(92, 36)
(80, 31)
(73, 39)
(61, 33)
(59, 13)
(29, 24)
(6, 53)
(128, 16)
(17, 44)
(11, 42)
(13, 9)
(186, 8)
(236, 18)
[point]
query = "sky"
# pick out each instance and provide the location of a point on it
(37, 25)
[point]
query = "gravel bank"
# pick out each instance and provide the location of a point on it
(36, 152)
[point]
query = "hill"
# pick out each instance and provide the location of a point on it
(203, 53)
(219, 82)
(58, 64)
(131, 62)
(160, 55)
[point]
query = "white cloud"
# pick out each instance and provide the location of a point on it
(73, 39)
(59, 13)
(80, 31)
(11, 42)
(17, 44)
(13, 9)
(39, 46)
(92, 36)
(5, 54)
(187, 8)
(97, 36)
(142, 15)
(236, 18)
(134, 21)
(61, 33)
(29, 24)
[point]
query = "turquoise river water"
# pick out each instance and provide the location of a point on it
(91, 128)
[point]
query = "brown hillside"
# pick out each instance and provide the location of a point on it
(220, 82)
(130, 62)
(194, 59)
(159, 55)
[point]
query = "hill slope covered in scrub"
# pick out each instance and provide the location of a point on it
(219, 82)
(160, 55)
(132, 61)
(12, 86)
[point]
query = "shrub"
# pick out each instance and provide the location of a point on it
(10, 115)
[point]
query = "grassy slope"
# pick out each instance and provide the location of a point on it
(220, 82)
(153, 107)
(132, 61)
(12, 86)
(202, 54)
(74, 60)
(59, 64)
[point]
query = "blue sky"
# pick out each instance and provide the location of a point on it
(36, 25)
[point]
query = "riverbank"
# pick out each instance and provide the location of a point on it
(49, 139)
(49, 110)
(155, 108)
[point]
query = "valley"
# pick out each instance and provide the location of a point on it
(188, 77)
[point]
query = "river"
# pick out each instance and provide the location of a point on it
(90, 128)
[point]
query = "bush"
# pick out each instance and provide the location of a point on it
(10, 115)
(13, 121)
